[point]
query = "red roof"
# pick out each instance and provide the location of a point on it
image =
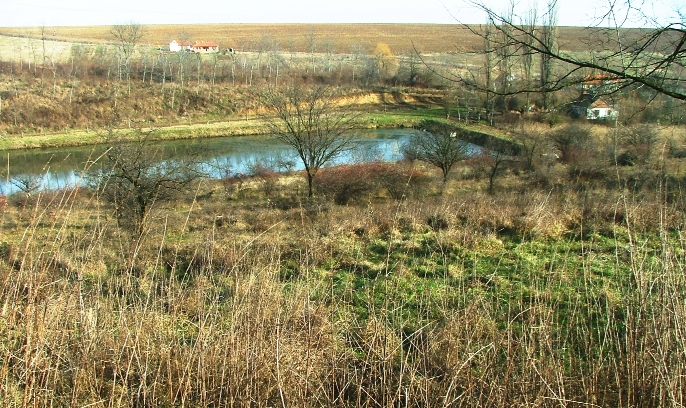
(204, 44)
(598, 79)
(600, 104)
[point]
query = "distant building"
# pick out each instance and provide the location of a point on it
(205, 47)
(591, 104)
(599, 84)
(199, 46)
(593, 108)
(177, 46)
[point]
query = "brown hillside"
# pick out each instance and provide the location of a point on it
(338, 38)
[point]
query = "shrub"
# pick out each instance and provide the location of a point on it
(437, 222)
(344, 183)
(354, 181)
(638, 142)
(399, 181)
(267, 176)
(573, 141)
(232, 182)
(627, 159)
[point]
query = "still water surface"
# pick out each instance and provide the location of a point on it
(64, 168)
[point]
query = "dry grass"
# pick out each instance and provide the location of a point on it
(255, 297)
(402, 38)
(340, 38)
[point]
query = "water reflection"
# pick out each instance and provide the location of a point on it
(65, 168)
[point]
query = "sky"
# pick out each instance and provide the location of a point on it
(19, 13)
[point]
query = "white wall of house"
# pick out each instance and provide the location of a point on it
(600, 113)
(174, 46)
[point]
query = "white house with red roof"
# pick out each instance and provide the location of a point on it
(203, 47)
(599, 109)
(593, 108)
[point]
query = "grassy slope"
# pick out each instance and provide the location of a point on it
(244, 292)
(402, 118)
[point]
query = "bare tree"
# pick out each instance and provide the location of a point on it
(137, 176)
(43, 64)
(450, 101)
(329, 48)
(505, 53)
(309, 121)
(534, 144)
(439, 145)
(27, 184)
(653, 58)
(494, 161)
(311, 39)
(386, 63)
(549, 42)
(127, 37)
(489, 67)
(529, 25)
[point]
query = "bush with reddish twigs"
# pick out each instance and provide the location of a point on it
(267, 176)
(353, 182)
(345, 183)
(400, 181)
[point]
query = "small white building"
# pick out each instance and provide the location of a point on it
(178, 46)
(593, 108)
(600, 110)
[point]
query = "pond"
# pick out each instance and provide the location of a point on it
(51, 169)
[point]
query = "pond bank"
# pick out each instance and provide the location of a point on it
(233, 127)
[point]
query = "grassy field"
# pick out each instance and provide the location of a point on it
(342, 38)
(555, 291)
(336, 38)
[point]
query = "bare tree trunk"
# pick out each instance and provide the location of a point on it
(197, 90)
(54, 79)
(530, 22)
(549, 43)
(488, 67)
(214, 76)
(72, 76)
(164, 72)
(505, 52)
(42, 70)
